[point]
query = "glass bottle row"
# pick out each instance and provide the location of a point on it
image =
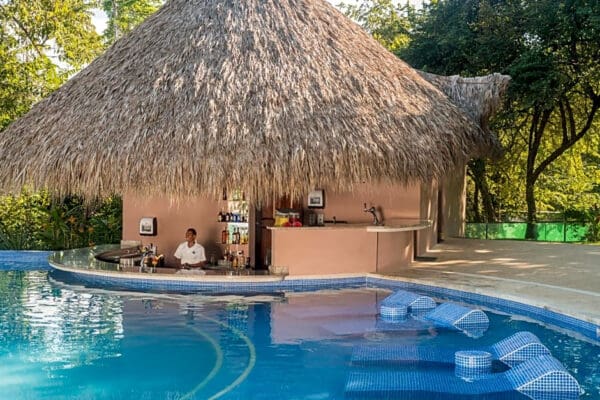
(234, 236)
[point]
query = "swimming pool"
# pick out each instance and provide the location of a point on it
(67, 341)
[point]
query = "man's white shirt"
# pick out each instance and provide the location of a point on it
(190, 255)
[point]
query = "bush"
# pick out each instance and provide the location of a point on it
(35, 221)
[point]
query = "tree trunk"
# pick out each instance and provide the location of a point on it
(478, 168)
(531, 232)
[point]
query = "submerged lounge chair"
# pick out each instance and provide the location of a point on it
(511, 351)
(541, 378)
(395, 308)
(401, 302)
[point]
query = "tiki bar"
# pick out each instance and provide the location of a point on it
(286, 136)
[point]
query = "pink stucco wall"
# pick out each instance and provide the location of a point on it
(454, 203)
(349, 249)
(324, 250)
(173, 220)
(394, 201)
(306, 251)
(429, 204)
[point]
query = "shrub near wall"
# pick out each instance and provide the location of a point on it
(35, 221)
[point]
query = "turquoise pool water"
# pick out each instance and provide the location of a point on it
(62, 341)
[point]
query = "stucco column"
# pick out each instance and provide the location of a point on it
(454, 203)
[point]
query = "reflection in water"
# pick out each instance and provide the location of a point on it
(58, 327)
(60, 341)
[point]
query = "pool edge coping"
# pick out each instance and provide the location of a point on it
(566, 319)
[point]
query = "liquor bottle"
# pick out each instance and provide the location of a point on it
(224, 236)
(220, 216)
(226, 254)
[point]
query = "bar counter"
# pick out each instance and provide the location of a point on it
(346, 247)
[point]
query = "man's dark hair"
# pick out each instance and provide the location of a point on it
(192, 230)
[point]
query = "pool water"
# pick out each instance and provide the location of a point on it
(66, 341)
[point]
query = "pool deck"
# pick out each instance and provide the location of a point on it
(557, 276)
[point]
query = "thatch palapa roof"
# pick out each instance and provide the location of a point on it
(479, 97)
(270, 96)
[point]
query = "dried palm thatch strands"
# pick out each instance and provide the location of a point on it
(270, 96)
(479, 97)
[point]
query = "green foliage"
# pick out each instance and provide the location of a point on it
(42, 43)
(550, 126)
(34, 221)
(387, 22)
(20, 220)
(593, 231)
(124, 15)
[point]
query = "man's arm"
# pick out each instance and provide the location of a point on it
(199, 264)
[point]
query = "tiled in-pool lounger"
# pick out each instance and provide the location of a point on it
(513, 350)
(541, 378)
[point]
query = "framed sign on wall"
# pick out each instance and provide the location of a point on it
(316, 199)
(148, 226)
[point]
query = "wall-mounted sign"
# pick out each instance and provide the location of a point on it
(148, 226)
(316, 199)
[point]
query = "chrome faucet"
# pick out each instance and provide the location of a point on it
(373, 210)
(144, 254)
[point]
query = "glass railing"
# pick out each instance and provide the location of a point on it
(543, 231)
(85, 258)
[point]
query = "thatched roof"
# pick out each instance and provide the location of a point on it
(480, 97)
(270, 96)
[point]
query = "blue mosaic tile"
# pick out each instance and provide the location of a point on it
(585, 328)
(401, 302)
(450, 315)
(11, 260)
(511, 351)
(472, 364)
(541, 378)
(518, 348)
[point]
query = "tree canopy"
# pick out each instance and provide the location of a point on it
(124, 15)
(551, 49)
(42, 44)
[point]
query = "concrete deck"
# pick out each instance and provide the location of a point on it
(558, 276)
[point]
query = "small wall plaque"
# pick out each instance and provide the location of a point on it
(148, 226)
(316, 199)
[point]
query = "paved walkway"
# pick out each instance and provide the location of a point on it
(558, 276)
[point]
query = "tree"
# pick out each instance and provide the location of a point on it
(124, 15)
(42, 44)
(551, 49)
(385, 20)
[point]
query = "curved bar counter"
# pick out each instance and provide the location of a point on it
(346, 248)
(89, 264)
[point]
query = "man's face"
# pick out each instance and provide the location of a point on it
(189, 236)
